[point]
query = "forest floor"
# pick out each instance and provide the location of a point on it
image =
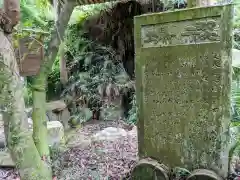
(89, 159)
(86, 158)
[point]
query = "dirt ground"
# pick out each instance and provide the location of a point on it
(88, 160)
(85, 159)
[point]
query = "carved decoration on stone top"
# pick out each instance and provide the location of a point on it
(181, 33)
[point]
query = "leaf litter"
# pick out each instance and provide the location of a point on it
(96, 160)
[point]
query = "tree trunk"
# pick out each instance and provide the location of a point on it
(18, 137)
(39, 84)
(63, 66)
(40, 135)
(12, 10)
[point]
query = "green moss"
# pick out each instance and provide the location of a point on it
(183, 89)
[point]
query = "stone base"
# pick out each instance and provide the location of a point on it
(149, 169)
(203, 174)
(55, 133)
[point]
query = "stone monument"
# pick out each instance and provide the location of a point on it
(183, 79)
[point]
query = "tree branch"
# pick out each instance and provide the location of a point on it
(57, 35)
(12, 10)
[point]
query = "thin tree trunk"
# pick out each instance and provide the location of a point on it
(39, 84)
(18, 137)
(63, 66)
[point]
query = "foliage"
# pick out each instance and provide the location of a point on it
(42, 22)
(132, 115)
(27, 94)
(36, 20)
(92, 68)
(82, 53)
(54, 86)
(235, 97)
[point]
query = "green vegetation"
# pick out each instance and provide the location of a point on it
(93, 65)
(236, 70)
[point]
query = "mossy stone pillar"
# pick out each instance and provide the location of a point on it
(183, 79)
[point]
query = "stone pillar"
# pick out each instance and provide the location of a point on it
(183, 78)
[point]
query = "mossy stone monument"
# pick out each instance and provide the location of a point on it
(183, 79)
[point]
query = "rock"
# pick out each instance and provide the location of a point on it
(133, 132)
(149, 169)
(30, 123)
(55, 133)
(55, 138)
(64, 117)
(235, 58)
(5, 158)
(110, 133)
(55, 111)
(55, 105)
(51, 116)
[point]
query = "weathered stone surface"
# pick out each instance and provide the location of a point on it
(194, 31)
(109, 133)
(55, 105)
(5, 158)
(64, 117)
(55, 133)
(51, 116)
(183, 78)
(203, 174)
(55, 111)
(148, 169)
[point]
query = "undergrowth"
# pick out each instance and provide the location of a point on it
(94, 72)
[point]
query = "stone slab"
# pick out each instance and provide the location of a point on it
(56, 105)
(183, 78)
(55, 133)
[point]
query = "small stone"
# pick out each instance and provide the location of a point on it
(55, 133)
(5, 158)
(110, 133)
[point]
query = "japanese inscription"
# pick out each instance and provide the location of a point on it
(181, 33)
(183, 77)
